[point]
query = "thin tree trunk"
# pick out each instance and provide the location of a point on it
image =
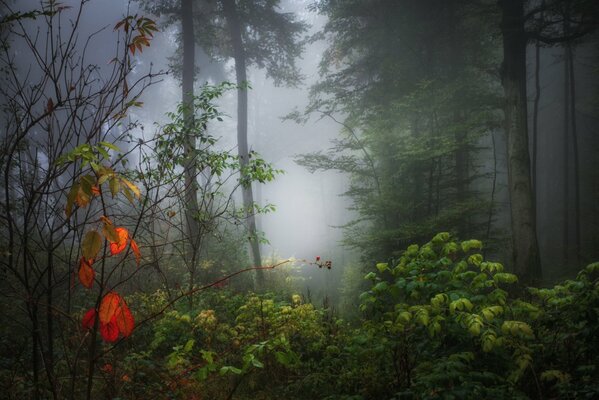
(493, 188)
(535, 119)
(233, 23)
(524, 235)
(191, 190)
(50, 319)
(35, 359)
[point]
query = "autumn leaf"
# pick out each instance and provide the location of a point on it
(114, 185)
(109, 231)
(106, 368)
(86, 272)
(110, 302)
(124, 319)
(136, 251)
(118, 246)
(132, 187)
(50, 105)
(68, 209)
(109, 330)
(89, 319)
(91, 245)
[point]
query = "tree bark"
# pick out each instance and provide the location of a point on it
(524, 237)
(191, 190)
(566, 170)
(535, 119)
(576, 160)
(232, 17)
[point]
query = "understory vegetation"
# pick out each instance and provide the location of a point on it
(439, 322)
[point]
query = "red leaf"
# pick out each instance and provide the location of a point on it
(109, 331)
(136, 251)
(86, 272)
(89, 319)
(117, 247)
(108, 306)
(107, 368)
(124, 319)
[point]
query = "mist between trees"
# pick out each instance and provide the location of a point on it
(360, 199)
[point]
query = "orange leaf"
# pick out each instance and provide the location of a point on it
(117, 247)
(110, 302)
(96, 190)
(82, 199)
(89, 319)
(136, 251)
(86, 272)
(109, 331)
(124, 319)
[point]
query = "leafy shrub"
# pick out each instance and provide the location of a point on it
(449, 322)
(439, 322)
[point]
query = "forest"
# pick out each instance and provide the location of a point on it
(299, 199)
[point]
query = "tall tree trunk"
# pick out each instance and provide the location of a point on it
(230, 10)
(535, 119)
(524, 236)
(575, 161)
(191, 190)
(535, 116)
(566, 170)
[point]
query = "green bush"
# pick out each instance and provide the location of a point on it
(441, 322)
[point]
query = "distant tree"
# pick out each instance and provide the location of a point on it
(192, 208)
(412, 91)
(251, 33)
(519, 25)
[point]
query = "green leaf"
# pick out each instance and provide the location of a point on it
(230, 369)
(475, 259)
(188, 346)
(257, 363)
(380, 287)
(471, 244)
(505, 277)
(491, 312)
(370, 275)
(382, 266)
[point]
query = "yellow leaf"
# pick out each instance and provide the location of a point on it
(114, 186)
(91, 245)
(110, 232)
(132, 187)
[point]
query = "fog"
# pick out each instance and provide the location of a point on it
(299, 199)
(310, 208)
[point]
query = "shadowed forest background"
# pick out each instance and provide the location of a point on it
(298, 199)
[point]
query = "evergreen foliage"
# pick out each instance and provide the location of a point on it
(411, 85)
